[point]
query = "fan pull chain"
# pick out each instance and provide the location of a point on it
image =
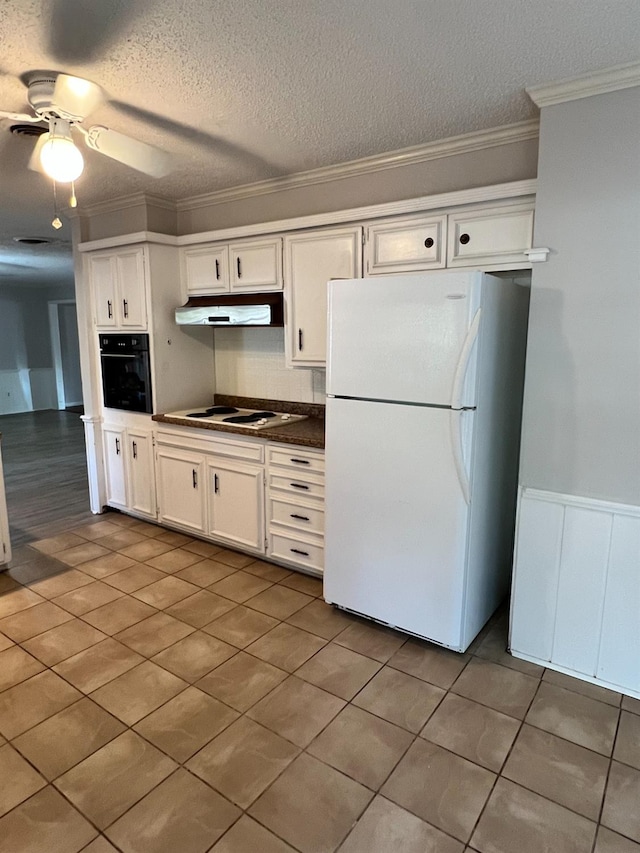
(73, 201)
(56, 221)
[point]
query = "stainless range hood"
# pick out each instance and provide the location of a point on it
(241, 309)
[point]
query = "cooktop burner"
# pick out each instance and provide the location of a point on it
(214, 410)
(250, 419)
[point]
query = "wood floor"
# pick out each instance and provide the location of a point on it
(45, 471)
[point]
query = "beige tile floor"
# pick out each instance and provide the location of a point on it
(159, 694)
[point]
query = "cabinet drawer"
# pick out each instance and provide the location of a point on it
(298, 551)
(296, 516)
(303, 487)
(292, 458)
(491, 236)
(233, 449)
(405, 245)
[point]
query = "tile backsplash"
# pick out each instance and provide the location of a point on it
(251, 363)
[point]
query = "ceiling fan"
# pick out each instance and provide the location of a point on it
(63, 102)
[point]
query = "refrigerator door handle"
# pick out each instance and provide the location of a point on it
(455, 423)
(463, 362)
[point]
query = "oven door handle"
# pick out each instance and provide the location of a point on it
(119, 354)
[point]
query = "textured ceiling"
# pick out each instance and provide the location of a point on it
(243, 90)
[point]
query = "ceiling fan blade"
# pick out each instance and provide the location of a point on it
(145, 158)
(34, 161)
(74, 97)
(20, 116)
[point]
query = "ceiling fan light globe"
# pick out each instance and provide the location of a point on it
(61, 160)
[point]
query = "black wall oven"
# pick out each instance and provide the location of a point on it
(126, 373)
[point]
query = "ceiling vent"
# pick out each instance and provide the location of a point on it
(27, 129)
(31, 241)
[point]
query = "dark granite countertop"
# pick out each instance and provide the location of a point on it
(309, 433)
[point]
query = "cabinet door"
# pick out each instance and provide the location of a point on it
(205, 269)
(114, 463)
(256, 265)
(491, 237)
(141, 479)
(236, 505)
(312, 259)
(405, 245)
(131, 289)
(102, 273)
(181, 488)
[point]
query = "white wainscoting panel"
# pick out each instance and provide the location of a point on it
(576, 592)
(43, 388)
(15, 391)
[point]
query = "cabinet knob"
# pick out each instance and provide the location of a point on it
(428, 242)
(464, 239)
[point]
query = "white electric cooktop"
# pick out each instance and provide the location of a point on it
(250, 419)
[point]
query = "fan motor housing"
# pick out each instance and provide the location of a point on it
(41, 93)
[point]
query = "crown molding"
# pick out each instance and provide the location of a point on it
(595, 83)
(128, 240)
(455, 145)
(114, 205)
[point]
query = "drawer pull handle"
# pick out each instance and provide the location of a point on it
(216, 483)
(109, 308)
(239, 267)
(217, 268)
(194, 477)
(298, 551)
(299, 486)
(301, 461)
(135, 449)
(125, 305)
(117, 447)
(299, 340)
(301, 517)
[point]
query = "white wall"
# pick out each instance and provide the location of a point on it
(27, 379)
(581, 426)
(251, 363)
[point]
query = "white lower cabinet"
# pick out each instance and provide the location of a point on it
(129, 470)
(296, 506)
(236, 502)
(215, 487)
(181, 488)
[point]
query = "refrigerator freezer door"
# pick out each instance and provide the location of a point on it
(396, 516)
(404, 338)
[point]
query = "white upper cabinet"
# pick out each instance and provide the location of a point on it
(405, 245)
(490, 238)
(256, 265)
(249, 265)
(310, 260)
(205, 269)
(119, 291)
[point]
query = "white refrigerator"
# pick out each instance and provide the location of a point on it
(424, 397)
